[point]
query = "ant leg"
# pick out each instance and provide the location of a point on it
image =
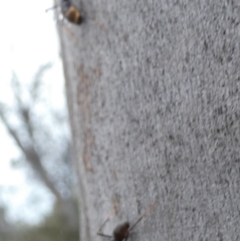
(51, 8)
(143, 215)
(104, 235)
(99, 232)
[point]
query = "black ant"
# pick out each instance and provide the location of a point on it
(69, 11)
(122, 231)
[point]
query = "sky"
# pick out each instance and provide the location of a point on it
(28, 40)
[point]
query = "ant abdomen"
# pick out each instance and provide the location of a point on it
(121, 232)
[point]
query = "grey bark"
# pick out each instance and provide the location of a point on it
(153, 95)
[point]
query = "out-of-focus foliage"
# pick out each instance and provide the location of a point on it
(39, 128)
(40, 131)
(54, 228)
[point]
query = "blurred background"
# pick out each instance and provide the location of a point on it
(37, 182)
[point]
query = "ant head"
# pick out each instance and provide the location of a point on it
(126, 225)
(121, 231)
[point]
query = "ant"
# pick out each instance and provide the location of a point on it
(69, 11)
(122, 231)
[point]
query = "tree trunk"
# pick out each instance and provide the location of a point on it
(153, 95)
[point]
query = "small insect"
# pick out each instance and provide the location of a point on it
(122, 231)
(69, 11)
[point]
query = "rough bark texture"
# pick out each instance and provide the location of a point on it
(153, 94)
